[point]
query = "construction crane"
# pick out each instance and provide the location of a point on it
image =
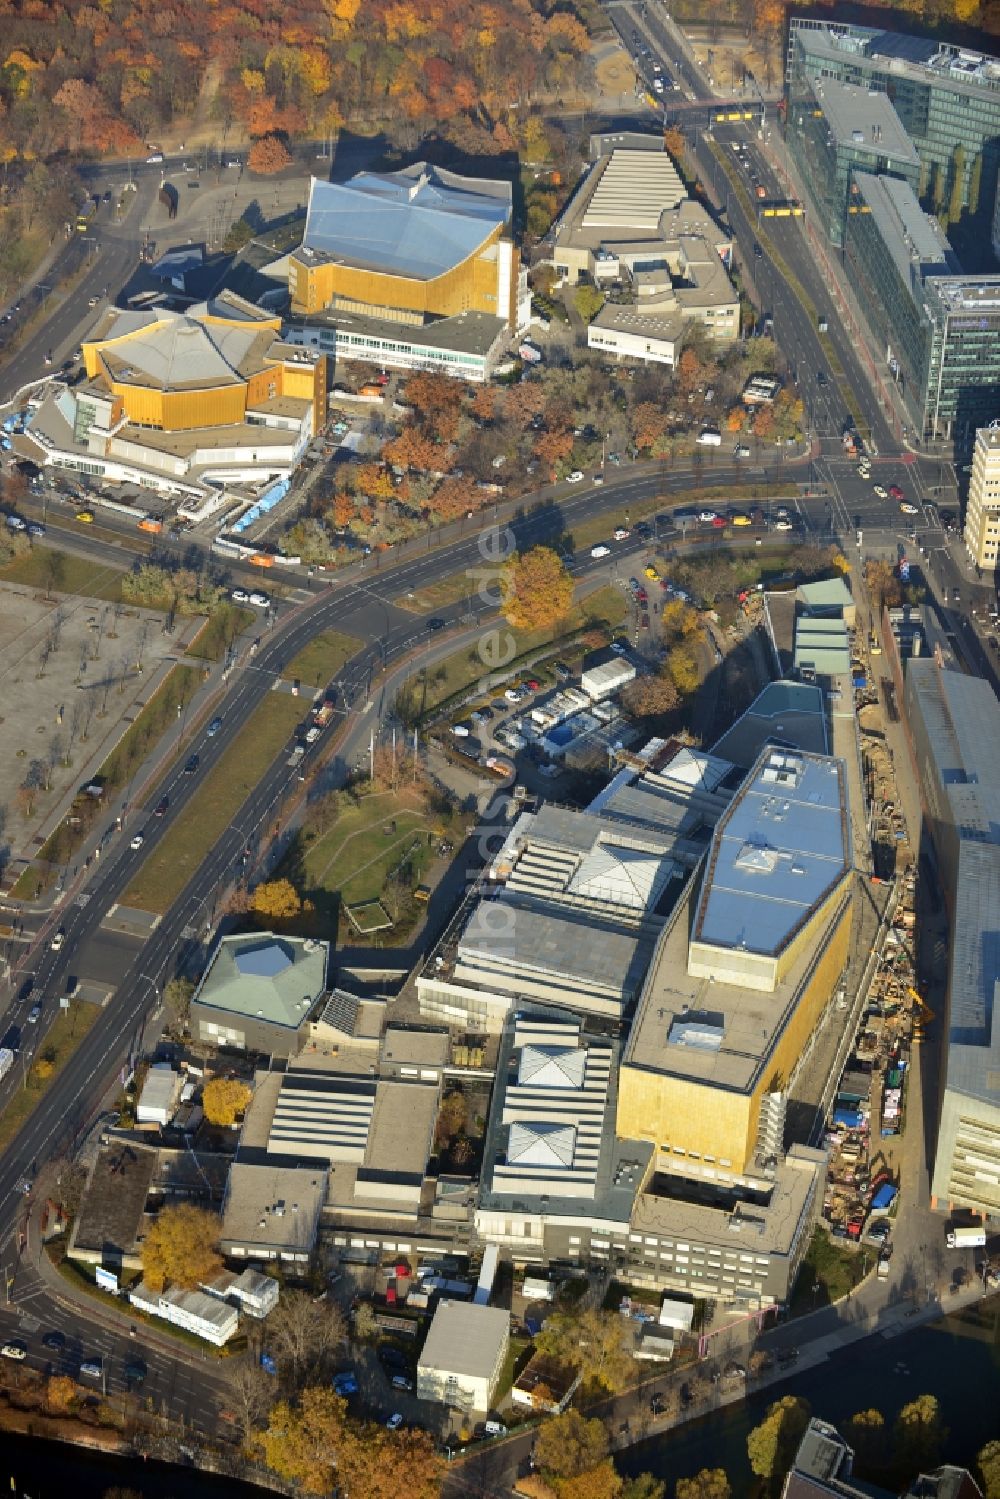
(926, 1016)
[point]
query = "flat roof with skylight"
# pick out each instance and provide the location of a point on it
(779, 850)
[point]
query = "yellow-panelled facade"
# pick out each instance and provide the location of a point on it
(214, 405)
(472, 285)
(712, 1123)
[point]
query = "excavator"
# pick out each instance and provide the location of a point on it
(924, 1018)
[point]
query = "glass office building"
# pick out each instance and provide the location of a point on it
(945, 96)
(834, 130)
(937, 331)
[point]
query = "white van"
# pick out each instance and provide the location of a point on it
(709, 439)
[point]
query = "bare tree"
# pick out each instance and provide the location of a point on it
(254, 1393)
(305, 1332)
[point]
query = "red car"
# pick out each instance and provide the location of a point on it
(718, 522)
(895, 492)
(533, 684)
(642, 596)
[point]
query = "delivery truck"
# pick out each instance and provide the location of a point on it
(966, 1236)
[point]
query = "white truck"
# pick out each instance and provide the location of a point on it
(296, 754)
(6, 1060)
(968, 1236)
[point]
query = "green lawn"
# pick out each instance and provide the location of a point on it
(605, 606)
(64, 572)
(353, 858)
(320, 660)
(827, 1273)
(143, 734)
(61, 1040)
(205, 818)
(219, 631)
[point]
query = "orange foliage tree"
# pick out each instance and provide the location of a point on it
(536, 589)
(268, 155)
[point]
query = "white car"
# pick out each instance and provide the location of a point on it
(600, 551)
(907, 508)
(34, 1014)
(58, 938)
(881, 491)
(707, 516)
(14, 1350)
(512, 694)
(783, 525)
(576, 477)
(138, 840)
(260, 599)
(618, 647)
(240, 596)
(621, 534)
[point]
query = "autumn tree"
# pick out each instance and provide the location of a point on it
(224, 1099)
(413, 449)
(988, 1463)
(882, 584)
(679, 621)
(277, 900)
(601, 1482)
(588, 301)
(60, 1393)
(673, 140)
(643, 1486)
(710, 1483)
(536, 589)
(453, 498)
(570, 1444)
(177, 996)
(867, 1435)
(365, 1325)
(919, 1434)
(268, 155)
(649, 423)
(650, 696)
(682, 666)
(452, 1117)
(181, 1247)
(304, 1332)
(303, 1439)
(596, 1341)
(772, 1445)
(379, 1464)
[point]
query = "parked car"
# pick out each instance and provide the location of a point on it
(783, 525)
(345, 1384)
(91, 1368)
(240, 596)
(394, 1422)
(15, 1349)
(261, 600)
(895, 493)
(576, 477)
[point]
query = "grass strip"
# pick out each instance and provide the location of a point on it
(64, 572)
(61, 1041)
(320, 660)
(212, 809)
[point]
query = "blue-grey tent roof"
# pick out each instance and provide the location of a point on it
(417, 223)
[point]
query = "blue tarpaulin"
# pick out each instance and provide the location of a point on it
(267, 501)
(884, 1197)
(848, 1118)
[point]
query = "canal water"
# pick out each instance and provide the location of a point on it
(36, 1469)
(957, 1359)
